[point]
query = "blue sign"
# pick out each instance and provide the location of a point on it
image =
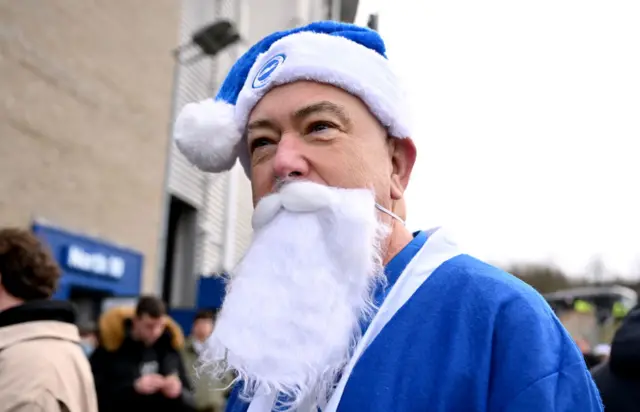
(92, 264)
(95, 263)
(211, 291)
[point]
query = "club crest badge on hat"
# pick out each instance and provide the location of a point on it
(262, 78)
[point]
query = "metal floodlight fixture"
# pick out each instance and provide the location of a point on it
(372, 23)
(211, 40)
(214, 38)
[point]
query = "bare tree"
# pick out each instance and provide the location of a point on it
(543, 278)
(596, 270)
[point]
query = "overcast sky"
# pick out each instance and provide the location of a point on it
(527, 123)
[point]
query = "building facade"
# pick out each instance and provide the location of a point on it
(85, 91)
(88, 94)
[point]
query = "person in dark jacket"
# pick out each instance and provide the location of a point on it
(137, 365)
(619, 379)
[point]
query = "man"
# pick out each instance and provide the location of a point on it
(137, 365)
(210, 394)
(336, 304)
(618, 378)
(42, 367)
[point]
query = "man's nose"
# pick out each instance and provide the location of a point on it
(289, 160)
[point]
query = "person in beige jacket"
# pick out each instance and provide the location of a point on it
(42, 366)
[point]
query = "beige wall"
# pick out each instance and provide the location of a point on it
(84, 104)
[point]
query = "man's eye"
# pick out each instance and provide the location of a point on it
(260, 142)
(317, 127)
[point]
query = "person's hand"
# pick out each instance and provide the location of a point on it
(148, 384)
(172, 387)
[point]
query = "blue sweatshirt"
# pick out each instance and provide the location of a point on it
(472, 338)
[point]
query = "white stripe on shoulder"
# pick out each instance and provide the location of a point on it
(438, 249)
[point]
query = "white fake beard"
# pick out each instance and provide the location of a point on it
(292, 313)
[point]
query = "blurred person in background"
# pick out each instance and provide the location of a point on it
(602, 351)
(42, 367)
(137, 365)
(336, 304)
(88, 338)
(210, 394)
(590, 359)
(618, 379)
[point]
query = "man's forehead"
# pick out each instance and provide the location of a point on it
(301, 99)
(150, 319)
(260, 118)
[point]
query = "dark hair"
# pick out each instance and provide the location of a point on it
(204, 314)
(27, 269)
(150, 306)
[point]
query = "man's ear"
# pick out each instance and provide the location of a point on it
(403, 157)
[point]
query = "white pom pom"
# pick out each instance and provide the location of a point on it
(207, 135)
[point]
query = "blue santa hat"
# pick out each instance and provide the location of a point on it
(210, 133)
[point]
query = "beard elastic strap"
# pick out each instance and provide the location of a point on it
(390, 213)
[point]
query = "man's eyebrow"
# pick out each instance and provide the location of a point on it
(261, 124)
(323, 106)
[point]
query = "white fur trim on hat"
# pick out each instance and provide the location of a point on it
(208, 136)
(333, 60)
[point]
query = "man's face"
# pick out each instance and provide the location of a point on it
(147, 329)
(202, 328)
(322, 134)
(90, 338)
